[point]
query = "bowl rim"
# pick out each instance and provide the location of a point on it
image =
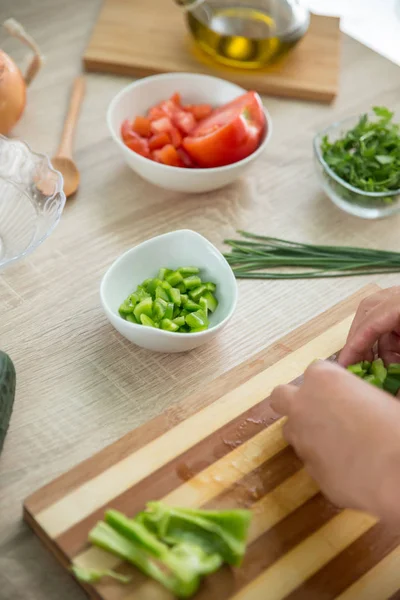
(194, 171)
(163, 332)
(59, 191)
(327, 168)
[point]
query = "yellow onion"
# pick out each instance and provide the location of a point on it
(12, 83)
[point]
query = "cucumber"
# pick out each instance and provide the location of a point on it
(7, 393)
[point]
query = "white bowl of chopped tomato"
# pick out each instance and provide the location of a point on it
(188, 132)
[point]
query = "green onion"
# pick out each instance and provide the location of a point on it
(254, 256)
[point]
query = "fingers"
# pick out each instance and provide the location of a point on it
(364, 308)
(382, 318)
(283, 398)
(389, 348)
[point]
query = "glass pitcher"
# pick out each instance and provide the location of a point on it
(246, 33)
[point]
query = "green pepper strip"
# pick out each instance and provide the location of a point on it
(219, 532)
(106, 537)
(94, 575)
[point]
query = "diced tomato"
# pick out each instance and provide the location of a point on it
(195, 135)
(159, 140)
(156, 112)
(126, 130)
(184, 121)
(142, 126)
(139, 145)
(185, 158)
(168, 156)
(161, 125)
(176, 98)
(199, 111)
(176, 138)
(231, 133)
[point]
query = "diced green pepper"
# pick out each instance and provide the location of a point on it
(203, 305)
(161, 293)
(392, 385)
(378, 370)
(145, 320)
(169, 325)
(180, 321)
(163, 272)
(192, 282)
(145, 307)
(169, 311)
(189, 270)
(357, 369)
(159, 308)
(141, 293)
(198, 329)
(146, 283)
(210, 286)
(196, 319)
(212, 302)
(185, 329)
(366, 364)
(134, 299)
(191, 306)
(131, 318)
(125, 309)
(175, 296)
(174, 278)
(373, 380)
(153, 285)
(172, 295)
(394, 369)
(196, 293)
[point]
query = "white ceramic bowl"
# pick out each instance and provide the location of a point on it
(171, 250)
(139, 96)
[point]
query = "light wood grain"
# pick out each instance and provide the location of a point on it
(122, 42)
(80, 386)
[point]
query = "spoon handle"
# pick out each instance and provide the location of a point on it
(78, 92)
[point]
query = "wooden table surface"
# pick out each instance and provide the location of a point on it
(82, 386)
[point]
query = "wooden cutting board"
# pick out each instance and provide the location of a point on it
(137, 38)
(230, 453)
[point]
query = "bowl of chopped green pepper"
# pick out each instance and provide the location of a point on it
(358, 164)
(171, 293)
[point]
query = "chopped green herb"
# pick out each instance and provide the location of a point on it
(367, 156)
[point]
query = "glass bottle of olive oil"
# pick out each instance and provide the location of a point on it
(246, 34)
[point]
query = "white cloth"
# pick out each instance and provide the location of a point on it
(375, 23)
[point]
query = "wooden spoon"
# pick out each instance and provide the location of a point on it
(63, 160)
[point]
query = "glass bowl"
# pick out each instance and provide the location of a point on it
(368, 205)
(31, 199)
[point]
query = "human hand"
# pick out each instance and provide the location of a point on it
(347, 432)
(377, 320)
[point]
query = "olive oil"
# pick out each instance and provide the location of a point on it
(246, 36)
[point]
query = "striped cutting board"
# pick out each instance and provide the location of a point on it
(230, 453)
